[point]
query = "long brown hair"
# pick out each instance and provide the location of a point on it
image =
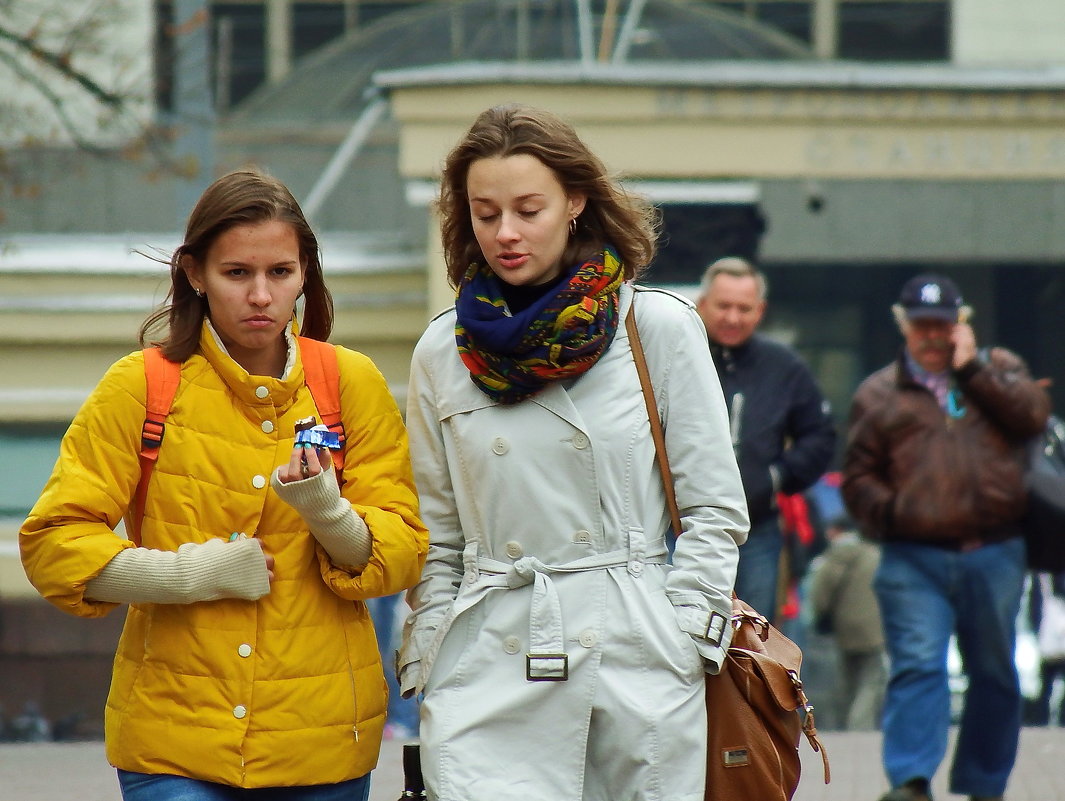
(611, 216)
(240, 198)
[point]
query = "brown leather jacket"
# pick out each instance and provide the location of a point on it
(911, 472)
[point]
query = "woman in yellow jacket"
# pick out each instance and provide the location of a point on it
(248, 658)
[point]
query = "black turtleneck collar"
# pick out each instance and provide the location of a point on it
(519, 298)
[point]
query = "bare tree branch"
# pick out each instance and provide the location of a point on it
(69, 125)
(47, 53)
(62, 64)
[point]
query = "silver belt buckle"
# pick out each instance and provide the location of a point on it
(546, 672)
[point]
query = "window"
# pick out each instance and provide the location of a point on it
(793, 18)
(903, 30)
(34, 449)
(896, 31)
(696, 234)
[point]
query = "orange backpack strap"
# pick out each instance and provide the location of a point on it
(322, 377)
(162, 377)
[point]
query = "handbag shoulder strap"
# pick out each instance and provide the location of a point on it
(652, 415)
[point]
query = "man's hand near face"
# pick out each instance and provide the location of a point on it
(964, 341)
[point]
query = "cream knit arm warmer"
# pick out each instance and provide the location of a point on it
(331, 519)
(203, 571)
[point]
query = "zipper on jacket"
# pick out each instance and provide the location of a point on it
(736, 421)
(351, 678)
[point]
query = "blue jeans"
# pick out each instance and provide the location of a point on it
(759, 567)
(403, 711)
(926, 594)
(164, 787)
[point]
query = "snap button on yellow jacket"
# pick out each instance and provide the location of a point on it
(283, 691)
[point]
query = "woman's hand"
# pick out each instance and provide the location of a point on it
(306, 462)
(964, 341)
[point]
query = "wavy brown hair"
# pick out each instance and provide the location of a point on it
(611, 216)
(242, 197)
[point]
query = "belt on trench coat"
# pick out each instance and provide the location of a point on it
(546, 659)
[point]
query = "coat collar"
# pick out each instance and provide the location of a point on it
(556, 400)
(904, 376)
(248, 388)
(555, 396)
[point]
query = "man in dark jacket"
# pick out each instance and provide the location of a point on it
(934, 469)
(781, 428)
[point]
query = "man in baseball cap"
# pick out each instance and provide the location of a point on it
(931, 297)
(933, 470)
(934, 322)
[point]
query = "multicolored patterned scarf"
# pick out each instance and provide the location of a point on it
(558, 337)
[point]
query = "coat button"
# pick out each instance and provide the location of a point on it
(514, 550)
(240, 711)
(588, 638)
(511, 644)
(500, 446)
(635, 568)
(244, 649)
(268, 427)
(261, 392)
(580, 440)
(582, 536)
(258, 482)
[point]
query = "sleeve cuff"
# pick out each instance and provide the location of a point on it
(196, 572)
(969, 369)
(711, 632)
(330, 518)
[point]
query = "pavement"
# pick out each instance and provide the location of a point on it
(63, 771)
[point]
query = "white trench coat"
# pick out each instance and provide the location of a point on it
(560, 656)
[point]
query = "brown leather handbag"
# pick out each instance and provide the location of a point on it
(756, 708)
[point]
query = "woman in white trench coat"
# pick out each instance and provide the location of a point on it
(560, 655)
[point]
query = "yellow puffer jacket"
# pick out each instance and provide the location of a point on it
(284, 691)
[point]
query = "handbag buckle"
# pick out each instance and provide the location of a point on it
(541, 672)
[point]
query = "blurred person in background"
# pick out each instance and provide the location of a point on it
(934, 469)
(843, 602)
(1047, 612)
(780, 423)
